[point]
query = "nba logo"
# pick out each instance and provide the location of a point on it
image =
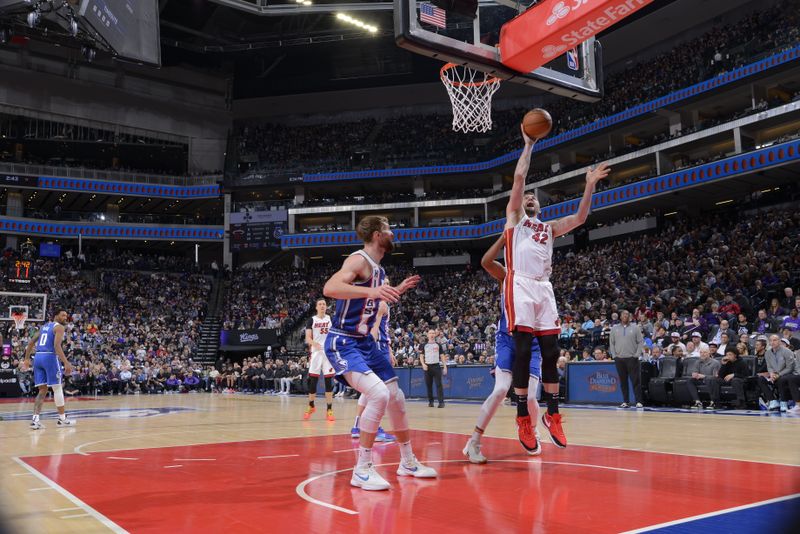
(572, 59)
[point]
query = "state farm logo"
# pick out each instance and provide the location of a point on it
(560, 10)
(550, 51)
(246, 338)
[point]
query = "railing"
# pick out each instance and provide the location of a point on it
(136, 218)
(96, 174)
(19, 225)
(747, 163)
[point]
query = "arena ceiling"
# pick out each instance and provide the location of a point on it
(285, 47)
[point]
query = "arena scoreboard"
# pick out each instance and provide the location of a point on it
(20, 272)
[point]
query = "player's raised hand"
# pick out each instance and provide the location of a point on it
(386, 292)
(409, 283)
(529, 142)
(595, 174)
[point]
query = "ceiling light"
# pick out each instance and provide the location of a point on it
(355, 22)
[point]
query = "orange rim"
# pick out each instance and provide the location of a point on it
(446, 79)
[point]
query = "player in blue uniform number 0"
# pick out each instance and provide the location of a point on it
(46, 369)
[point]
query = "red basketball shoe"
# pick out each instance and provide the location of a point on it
(527, 437)
(553, 425)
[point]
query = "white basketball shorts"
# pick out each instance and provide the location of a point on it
(531, 306)
(320, 365)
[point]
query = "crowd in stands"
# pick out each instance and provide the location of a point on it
(408, 140)
(130, 328)
(270, 297)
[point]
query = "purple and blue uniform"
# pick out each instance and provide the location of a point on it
(504, 347)
(349, 345)
(46, 368)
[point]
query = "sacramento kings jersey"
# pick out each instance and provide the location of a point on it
(47, 336)
(529, 248)
(319, 328)
(383, 329)
(357, 316)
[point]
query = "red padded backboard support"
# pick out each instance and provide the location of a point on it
(552, 27)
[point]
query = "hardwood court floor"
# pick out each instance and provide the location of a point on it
(212, 463)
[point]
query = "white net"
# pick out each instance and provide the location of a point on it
(19, 318)
(470, 93)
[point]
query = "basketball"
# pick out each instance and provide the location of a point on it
(537, 123)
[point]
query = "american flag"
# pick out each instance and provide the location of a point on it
(433, 15)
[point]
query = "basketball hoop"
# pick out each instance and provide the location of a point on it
(19, 319)
(471, 94)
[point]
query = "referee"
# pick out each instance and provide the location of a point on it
(433, 369)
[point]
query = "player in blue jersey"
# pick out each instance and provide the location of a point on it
(46, 369)
(359, 288)
(504, 350)
(380, 331)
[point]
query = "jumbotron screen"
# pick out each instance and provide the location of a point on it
(130, 27)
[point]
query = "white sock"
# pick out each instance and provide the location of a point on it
(36, 417)
(355, 423)
(62, 416)
(476, 436)
(405, 451)
(364, 457)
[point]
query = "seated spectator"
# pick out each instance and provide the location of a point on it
(191, 382)
(732, 371)
(676, 342)
(764, 381)
(173, 384)
(764, 323)
(717, 331)
(707, 372)
(723, 345)
(699, 344)
(781, 365)
(775, 310)
(791, 322)
(125, 377)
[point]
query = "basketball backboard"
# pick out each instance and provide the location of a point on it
(34, 305)
(474, 43)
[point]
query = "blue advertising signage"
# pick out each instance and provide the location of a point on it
(593, 383)
(468, 382)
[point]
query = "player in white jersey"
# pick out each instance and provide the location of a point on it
(316, 333)
(529, 299)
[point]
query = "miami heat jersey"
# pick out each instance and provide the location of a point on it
(357, 316)
(529, 248)
(319, 328)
